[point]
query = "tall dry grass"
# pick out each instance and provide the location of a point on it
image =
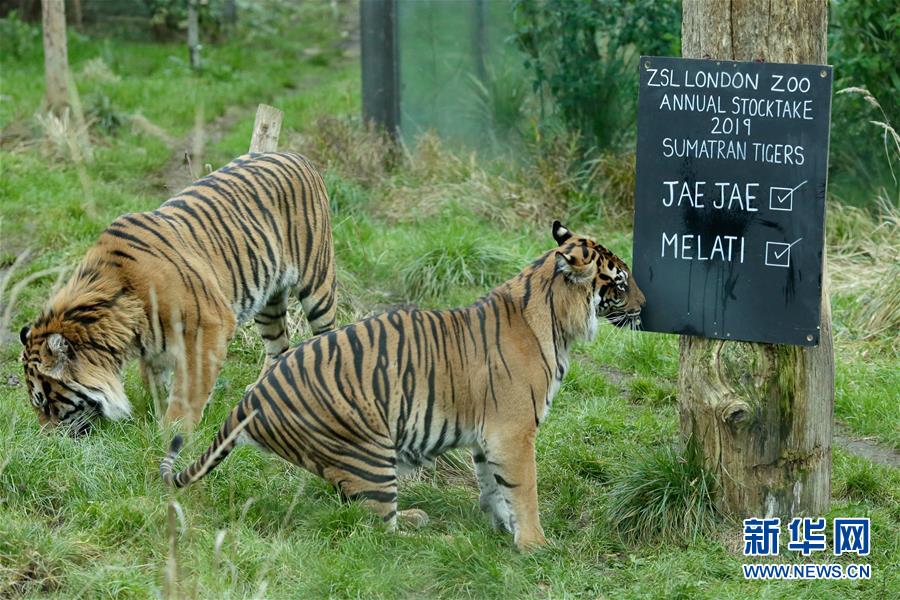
(864, 265)
(864, 249)
(409, 183)
(357, 151)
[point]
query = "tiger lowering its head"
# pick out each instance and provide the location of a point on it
(359, 404)
(171, 285)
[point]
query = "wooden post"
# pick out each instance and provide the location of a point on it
(266, 129)
(193, 35)
(761, 412)
(380, 63)
(56, 57)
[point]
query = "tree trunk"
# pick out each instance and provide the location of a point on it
(56, 58)
(193, 35)
(229, 13)
(762, 413)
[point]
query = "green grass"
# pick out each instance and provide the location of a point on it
(87, 517)
(667, 495)
(867, 396)
(444, 256)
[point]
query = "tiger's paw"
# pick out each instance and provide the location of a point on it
(413, 517)
(531, 541)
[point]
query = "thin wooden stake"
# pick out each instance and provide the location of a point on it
(266, 129)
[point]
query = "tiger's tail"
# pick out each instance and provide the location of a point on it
(222, 445)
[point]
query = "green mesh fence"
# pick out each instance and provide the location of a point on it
(461, 74)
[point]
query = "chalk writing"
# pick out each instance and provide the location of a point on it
(731, 170)
(729, 196)
(722, 247)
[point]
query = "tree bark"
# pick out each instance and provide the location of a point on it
(762, 413)
(56, 58)
(266, 129)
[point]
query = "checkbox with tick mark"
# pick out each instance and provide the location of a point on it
(782, 198)
(778, 254)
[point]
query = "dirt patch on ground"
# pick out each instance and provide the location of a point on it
(614, 376)
(865, 447)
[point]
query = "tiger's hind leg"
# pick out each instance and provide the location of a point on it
(414, 517)
(375, 487)
(271, 322)
(320, 304)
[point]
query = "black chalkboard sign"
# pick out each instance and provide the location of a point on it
(732, 161)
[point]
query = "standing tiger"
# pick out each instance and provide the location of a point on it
(171, 285)
(398, 389)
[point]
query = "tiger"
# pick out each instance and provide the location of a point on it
(361, 404)
(170, 287)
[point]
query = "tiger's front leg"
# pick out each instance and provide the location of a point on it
(157, 380)
(511, 459)
(491, 499)
(198, 360)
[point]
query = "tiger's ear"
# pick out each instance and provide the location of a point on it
(560, 233)
(56, 355)
(577, 265)
(23, 334)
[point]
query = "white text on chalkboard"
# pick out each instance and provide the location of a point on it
(727, 248)
(728, 196)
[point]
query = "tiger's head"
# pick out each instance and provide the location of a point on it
(74, 353)
(613, 292)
